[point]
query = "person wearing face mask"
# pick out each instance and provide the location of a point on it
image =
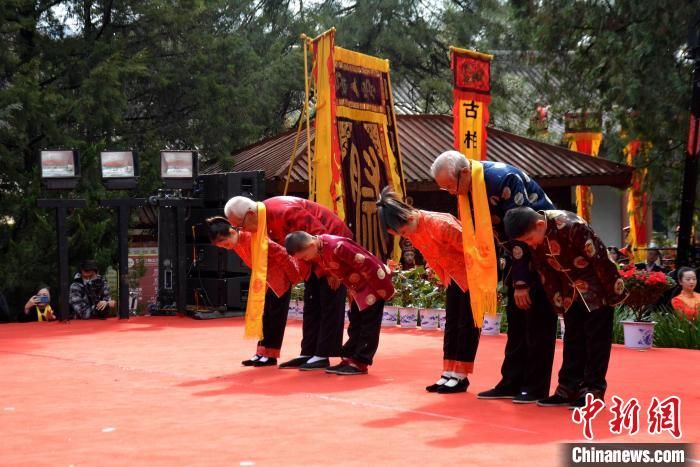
(89, 295)
(38, 307)
(688, 301)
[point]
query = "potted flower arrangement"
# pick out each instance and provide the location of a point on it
(390, 317)
(645, 289)
(429, 297)
(406, 296)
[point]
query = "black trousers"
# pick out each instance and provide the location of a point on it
(274, 323)
(461, 335)
(324, 318)
(587, 346)
(363, 333)
(529, 354)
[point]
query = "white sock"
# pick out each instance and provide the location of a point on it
(304, 356)
(443, 379)
(452, 382)
(459, 376)
(255, 358)
(262, 359)
(315, 359)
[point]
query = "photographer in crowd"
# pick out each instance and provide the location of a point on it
(38, 307)
(89, 293)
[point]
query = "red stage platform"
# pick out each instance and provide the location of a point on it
(171, 391)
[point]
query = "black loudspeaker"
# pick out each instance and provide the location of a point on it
(209, 259)
(168, 258)
(230, 293)
(216, 189)
(196, 219)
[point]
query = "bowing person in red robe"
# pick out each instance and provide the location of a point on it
(368, 281)
(283, 272)
(324, 297)
(438, 236)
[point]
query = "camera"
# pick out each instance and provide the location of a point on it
(44, 299)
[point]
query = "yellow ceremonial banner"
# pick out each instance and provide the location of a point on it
(471, 95)
(258, 279)
(325, 187)
(479, 248)
(583, 134)
(357, 150)
(638, 199)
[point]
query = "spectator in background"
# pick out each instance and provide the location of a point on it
(615, 255)
(408, 259)
(688, 301)
(89, 293)
(651, 264)
(38, 307)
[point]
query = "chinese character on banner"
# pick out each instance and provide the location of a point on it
(585, 415)
(626, 416)
(665, 416)
(472, 95)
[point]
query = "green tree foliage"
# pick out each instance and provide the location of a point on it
(208, 75)
(217, 75)
(627, 59)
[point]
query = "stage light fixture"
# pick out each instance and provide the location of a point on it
(178, 169)
(60, 168)
(120, 169)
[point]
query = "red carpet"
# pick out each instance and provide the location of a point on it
(171, 391)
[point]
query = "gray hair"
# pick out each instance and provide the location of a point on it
(237, 207)
(452, 161)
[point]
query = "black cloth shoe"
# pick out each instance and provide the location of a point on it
(269, 362)
(319, 365)
(333, 369)
(496, 393)
(436, 386)
(527, 398)
(251, 361)
(294, 363)
(461, 386)
(580, 402)
(554, 401)
(350, 370)
(433, 387)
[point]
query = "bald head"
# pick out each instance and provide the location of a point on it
(242, 212)
(451, 172)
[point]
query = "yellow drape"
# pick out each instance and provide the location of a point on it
(258, 278)
(479, 247)
(584, 195)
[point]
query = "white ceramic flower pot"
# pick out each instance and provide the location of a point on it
(429, 318)
(492, 325)
(390, 317)
(442, 318)
(408, 317)
(638, 335)
(562, 327)
(296, 310)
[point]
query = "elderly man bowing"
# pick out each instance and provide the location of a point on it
(324, 296)
(527, 366)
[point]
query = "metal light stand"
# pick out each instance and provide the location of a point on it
(62, 206)
(123, 205)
